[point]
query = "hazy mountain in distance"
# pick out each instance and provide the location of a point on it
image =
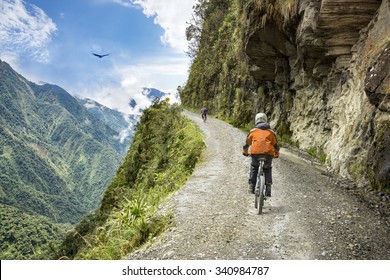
(123, 124)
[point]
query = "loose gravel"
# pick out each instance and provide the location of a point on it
(312, 213)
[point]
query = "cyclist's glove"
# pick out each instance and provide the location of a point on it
(245, 153)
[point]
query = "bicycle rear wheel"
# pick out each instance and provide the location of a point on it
(260, 200)
(257, 196)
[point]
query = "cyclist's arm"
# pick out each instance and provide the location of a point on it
(276, 146)
(248, 143)
(249, 140)
(275, 142)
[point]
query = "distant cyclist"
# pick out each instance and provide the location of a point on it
(204, 113)
(262, 140)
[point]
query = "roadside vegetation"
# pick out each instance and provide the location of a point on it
(164, 152)
(220, 75)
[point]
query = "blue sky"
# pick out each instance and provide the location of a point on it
(52, 41)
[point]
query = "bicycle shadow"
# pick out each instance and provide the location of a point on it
(275, 210)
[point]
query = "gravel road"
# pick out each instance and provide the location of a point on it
(311, 215)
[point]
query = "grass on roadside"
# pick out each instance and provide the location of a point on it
(162, 156)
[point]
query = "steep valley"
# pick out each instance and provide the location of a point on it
(56, 159)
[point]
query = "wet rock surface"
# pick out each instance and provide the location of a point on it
(377, 80)
(311, 215)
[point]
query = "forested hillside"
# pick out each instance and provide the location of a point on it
(25, 236)
(318, 69)
(56, 160)
(163, 153)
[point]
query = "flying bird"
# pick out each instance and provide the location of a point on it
(100, 55)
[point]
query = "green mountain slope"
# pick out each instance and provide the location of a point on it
(56, 157)
(27, 236)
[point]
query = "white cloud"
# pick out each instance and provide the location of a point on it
(171, 15)
(127, 82)
(24, 30)
(125, 3)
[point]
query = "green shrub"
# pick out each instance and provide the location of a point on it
(164, 152)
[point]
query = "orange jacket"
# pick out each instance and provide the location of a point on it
(262, 140)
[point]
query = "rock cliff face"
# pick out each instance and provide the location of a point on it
(329, 64)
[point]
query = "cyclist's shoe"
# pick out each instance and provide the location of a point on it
(251, 188)
(268, 190)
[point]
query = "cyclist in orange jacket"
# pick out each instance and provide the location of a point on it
(262, 140)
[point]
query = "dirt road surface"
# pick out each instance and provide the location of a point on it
(309, 216)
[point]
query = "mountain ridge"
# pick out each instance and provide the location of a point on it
(56, 155)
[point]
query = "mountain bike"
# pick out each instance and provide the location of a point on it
(260, 187)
